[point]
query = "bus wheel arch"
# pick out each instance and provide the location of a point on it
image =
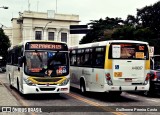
(82, 85)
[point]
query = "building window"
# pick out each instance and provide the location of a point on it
(38, 35)
(64, 37)
(50, 35)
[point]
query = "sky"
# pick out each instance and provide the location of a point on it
(86, 9)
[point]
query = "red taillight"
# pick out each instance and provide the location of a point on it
(147, 76)
(108, 76)
(108, 79)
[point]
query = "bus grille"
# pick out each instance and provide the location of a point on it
(47, 80)
(47, 89)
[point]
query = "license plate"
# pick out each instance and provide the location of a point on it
(117, 74)
(128, 79)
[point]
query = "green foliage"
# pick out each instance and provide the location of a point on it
(99, 27)
(145, 26)
(149, 17)
(124, 33)
(4, 43)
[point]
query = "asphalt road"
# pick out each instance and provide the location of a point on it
(90, 104)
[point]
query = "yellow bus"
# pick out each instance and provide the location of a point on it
(110, 66)
(38, 66)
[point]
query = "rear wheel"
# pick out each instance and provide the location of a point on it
(82, 87)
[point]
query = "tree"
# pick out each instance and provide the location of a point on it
(100, 28)
(148, 16)
(4, 44)
(131, 21)
(124, 33)
(145, 26)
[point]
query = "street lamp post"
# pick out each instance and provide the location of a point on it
(4, 7)
(45, 27)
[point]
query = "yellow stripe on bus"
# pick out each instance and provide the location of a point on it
(147, 64)
(108, 62)
(37, 82)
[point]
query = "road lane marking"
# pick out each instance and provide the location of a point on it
(108, 109)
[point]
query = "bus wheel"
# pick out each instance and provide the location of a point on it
(10, 85)
(82, 87)
(17, 85)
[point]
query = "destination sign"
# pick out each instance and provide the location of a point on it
(45, 46)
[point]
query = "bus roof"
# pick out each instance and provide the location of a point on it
(103, 43)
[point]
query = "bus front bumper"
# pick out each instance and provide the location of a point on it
(43, 89)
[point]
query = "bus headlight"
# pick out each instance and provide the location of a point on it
(29, 82)
(65, 82)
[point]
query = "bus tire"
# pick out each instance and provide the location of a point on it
(17, 84)
(82, 86)
(10, 85)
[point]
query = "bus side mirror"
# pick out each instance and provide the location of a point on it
(21, 60)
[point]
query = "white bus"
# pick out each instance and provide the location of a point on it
(35, 67)
(110, 66)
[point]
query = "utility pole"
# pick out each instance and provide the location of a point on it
(28, 6)
(45, 27)
(56, 6)
(37, 5)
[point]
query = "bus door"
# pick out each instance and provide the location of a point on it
(98, 68)
(86, 63)
(9, 66)
(128, 63)
(16, 69)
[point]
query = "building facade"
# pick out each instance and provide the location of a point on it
(43, 26)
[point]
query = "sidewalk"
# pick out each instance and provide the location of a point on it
(7, 100)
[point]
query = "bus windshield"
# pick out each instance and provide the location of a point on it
(46, 63)
(128, 51)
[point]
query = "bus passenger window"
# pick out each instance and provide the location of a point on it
(99, 57)
(99, 60)
(78, 60)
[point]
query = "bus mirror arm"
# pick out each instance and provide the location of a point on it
(21, 60)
